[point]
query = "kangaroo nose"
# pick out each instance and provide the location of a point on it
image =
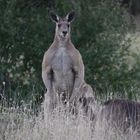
(64, 32)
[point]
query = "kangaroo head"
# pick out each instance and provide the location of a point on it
(63, 24)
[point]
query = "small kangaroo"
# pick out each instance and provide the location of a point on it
(87, 101)
(84, 102)
(62, 66)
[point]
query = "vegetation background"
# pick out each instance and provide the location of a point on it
(98, 32)
(104, 33)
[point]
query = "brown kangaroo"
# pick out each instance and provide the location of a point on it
(62, 66)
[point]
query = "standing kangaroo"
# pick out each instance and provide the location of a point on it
(62, 66)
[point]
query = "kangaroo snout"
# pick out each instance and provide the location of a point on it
(64, 33)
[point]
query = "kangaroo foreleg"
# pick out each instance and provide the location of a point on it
(79, 80)
(48, 79)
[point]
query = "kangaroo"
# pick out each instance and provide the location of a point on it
(84, 102)
(121, 114)
(62, 66)
(87, 101)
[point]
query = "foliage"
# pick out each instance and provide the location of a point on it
(98, 32)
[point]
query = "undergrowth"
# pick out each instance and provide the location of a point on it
(23, 124)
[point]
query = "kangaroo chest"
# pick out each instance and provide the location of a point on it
(62, 61)
(62, 71)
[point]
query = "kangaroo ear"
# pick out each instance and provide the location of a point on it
(85, 88)
(54, 17)
(70, 16)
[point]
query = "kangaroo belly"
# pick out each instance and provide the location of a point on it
(63, 83)
(63, 76)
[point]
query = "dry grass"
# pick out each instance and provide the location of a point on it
(22, 125)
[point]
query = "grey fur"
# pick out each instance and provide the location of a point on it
(62, 66)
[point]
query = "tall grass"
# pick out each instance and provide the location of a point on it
(22, 124)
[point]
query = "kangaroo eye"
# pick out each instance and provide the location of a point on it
(59, 25)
